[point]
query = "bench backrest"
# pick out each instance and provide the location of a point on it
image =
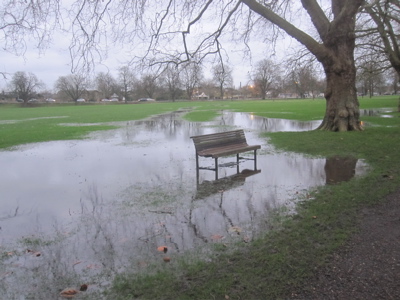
(206, 141)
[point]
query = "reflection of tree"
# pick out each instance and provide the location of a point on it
(340, 169)
(9, 216)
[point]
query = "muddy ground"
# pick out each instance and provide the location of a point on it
(368, 266)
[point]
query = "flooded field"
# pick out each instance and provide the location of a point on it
(79, 212)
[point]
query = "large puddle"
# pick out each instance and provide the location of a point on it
(75, 212)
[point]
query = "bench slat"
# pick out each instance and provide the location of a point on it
(220, 139)
(227, 150)
(222, 144)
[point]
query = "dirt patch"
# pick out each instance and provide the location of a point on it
(368, 266)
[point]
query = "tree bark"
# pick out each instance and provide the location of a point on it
(342, 106)
(335, 52)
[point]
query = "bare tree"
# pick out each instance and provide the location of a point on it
(191, 76)
(24, 22)
(25, 85)
(171, 76)
(127, 80)
(384, 24)
(73, 86)
(106, 84)
(148, 85)
(264, 75)
(330, 37)
(174, 31)
(370, 74)
(222, 76)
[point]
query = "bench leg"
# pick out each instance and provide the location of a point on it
(237, 163)
(216, 168)
(255, 160)
(197, 168)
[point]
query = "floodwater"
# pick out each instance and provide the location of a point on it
(82, 211)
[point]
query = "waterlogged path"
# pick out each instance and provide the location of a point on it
(79, 212)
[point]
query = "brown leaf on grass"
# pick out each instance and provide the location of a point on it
(217, 237)
(68, 293)
(162, 249)
(167, 259)
(236, 229)
(83, 288)
(76, 263)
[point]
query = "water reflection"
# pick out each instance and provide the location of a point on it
(93, 208)
(382, 112)
(339, 169)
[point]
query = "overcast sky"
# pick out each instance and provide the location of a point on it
(56, 62)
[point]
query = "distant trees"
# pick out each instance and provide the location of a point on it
(73, 86)
(106, 84)
(305, 81)
(191, 75)
(172, 80)
(148, 85)
(370, 76)
(264, 75)
(127, 81)
(222, 75)
(25, 85)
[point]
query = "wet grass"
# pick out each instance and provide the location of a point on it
(30, 124)
(278, 263)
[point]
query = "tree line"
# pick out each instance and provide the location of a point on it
(266, 80)
(333, 33)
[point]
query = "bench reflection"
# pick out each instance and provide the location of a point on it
(208, 188)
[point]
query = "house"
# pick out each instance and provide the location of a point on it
(202, 96)
(114, 97)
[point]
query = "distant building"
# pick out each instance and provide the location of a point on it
(114, 97)
(201, 96)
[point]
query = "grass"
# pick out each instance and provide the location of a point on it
(30, 124)
(281, 260)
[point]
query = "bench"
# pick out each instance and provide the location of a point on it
(220, 144)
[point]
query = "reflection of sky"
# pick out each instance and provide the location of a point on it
(122, 192)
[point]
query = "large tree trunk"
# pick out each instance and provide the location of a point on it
(342, 107)
(335, 51)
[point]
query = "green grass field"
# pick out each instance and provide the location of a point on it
(21, 125)
(271, 266)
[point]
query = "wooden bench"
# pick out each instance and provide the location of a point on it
(220, 144)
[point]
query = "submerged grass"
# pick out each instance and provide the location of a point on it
(280, 261)
(30, 124)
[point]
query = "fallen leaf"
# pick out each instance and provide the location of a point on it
(227, 297)
(68, 293)
(162, 249)
(217, 237)
(246, 239)
(76, 263)
(83, 288)
(314, 217)
(236, 229)
(167, 259)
